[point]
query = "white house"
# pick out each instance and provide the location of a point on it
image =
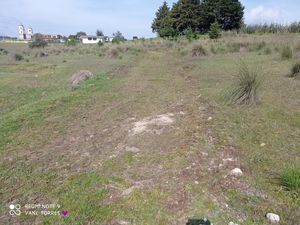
(90, 39)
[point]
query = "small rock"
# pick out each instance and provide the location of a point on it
(262, 144)
(132, 149)
(209, 118)
(273, 218)
(232, 223)
(236, 172)
(197, 182)
(122, 222)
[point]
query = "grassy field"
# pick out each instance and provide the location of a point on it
(151, 139)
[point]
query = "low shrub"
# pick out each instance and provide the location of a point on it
(295, 71)
(290, 179)
(3, 51)
(286, 52)
(245, 88)
(214, 31)
(38, 42)
(199, 50)
(18, 57)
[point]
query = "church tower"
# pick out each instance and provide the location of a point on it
(29, 33)
(22, 35)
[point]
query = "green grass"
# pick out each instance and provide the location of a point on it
(286, 52)
(47, 154)
(290, 179)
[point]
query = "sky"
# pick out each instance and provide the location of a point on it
(131, 17)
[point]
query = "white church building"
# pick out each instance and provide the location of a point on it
(23, 35)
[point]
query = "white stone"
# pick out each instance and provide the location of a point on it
(274, 218)
(262, 144)
(197, 182)
(236, 172)
(122, 222)
(209, 118)
(232, 223)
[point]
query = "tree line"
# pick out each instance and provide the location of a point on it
(197, 16)
(272, 28)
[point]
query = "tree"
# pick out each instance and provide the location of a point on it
(118, 37)
(38, 41)
(186, 14)
(79, 34)
(99, 33)
(160, 21)
(214, 31)
(228, 13)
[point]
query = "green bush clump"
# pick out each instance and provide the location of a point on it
(3, 51)
(100, 43)
(18, 57)
(290, 179)
(295, 71)
(214, 31)
(38, 42)
(245, 88)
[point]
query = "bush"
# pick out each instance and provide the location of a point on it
(287, 52)
(290, 179)
(38, 42)
(244, 90)
(3, 51)
(295, 69)
(198, 50)
(18, 57)
(71, 42)
(100, 43)
(190, 35)
(214, 31)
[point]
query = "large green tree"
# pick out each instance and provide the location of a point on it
(186, 14)
(228, 13)
(161, 20)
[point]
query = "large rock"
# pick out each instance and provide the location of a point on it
(273, 218)
(79, 77)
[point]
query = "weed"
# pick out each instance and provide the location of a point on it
(244, 90)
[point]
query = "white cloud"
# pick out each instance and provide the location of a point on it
(261, 14)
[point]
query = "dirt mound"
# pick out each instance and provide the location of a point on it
(79, 77)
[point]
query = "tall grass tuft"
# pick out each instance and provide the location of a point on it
(287, 52)
(295, 71)
(199, 50)
(290, 179)
(245, 88)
